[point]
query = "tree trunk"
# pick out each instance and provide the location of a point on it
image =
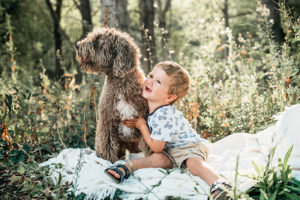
(87, 25)
(56, 17)
(163, 26)
(226, 24)
(277, 32)
(86, 18)
(148, 40)
(114, 14)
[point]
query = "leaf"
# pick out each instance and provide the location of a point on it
(196, 190)
(287, 156)
(296, 189)
(163, 171)
(296, 182)
(273, 197)
(292, 196)
(263, 195)
(294, 72)
(8, 100)
(256, 168)
(21, 170)
(29, 95)
(26, 147)
(280, 164)
(16, 178)
(59, 179)
(157, 184)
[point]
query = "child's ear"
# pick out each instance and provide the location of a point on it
(172, 97)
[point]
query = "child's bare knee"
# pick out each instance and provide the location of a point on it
(160, 158)
(192, 162)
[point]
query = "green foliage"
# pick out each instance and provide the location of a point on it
(238, 84)
(37, 120)
(273, 183)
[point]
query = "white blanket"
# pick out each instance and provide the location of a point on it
(83, 167)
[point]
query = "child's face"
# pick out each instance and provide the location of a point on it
(156, 87)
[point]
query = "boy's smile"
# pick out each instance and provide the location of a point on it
(147, 89)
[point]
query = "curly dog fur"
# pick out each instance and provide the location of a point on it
(114, 53)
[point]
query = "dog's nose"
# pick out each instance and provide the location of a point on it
(76, 46)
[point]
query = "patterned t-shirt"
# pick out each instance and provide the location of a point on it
(168, 124)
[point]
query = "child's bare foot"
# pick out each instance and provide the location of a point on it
(114, 173)
(118, 173)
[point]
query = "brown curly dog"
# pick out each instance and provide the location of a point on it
(115, 54)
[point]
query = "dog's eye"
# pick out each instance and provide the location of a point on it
(98, 44)
(114, 54)
(95, 44)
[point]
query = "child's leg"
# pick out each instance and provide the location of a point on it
(155, 160)
(200, 168)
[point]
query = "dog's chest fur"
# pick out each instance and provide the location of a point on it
(126, 111)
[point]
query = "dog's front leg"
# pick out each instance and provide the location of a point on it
(106, 144)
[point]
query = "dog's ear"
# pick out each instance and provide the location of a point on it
(125, 58)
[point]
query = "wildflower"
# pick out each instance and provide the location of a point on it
(92, 97)
(220, 49)
(221, 115)
(5, 135)
(195, 110)
(284, 95)
(44, 89)
(287, 81)
(243, 53)
(277, 85)
(205, 135)
(226, 124)
(4, 131)
(41, 109)
(13, 68)
(251, 123)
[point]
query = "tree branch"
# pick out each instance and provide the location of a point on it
(167, 6)
(76, 4)
(51, 9)
(58, 8)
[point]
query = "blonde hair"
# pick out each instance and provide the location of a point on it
(180, 79)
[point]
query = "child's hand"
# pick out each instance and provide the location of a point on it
(135, 123)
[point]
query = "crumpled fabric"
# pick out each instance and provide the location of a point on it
(232, 154)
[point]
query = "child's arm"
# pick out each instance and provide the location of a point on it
(156, 146)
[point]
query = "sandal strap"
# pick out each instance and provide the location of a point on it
(216, 186)
(115, 169)
(127, 173)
